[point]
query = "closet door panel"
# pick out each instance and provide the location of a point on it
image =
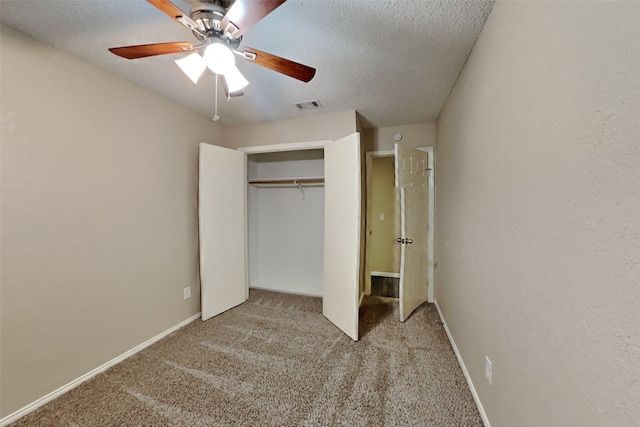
(222, 225)
(342, 233)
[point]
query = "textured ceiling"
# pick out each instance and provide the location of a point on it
(392, 61)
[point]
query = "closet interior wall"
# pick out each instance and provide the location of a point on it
(286, 223)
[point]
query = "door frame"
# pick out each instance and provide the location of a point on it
(261, 149)
(311, 145)
(292, 146)
(369, 156)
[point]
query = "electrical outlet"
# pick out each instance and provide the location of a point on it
(381, 217)
(187, 292)
(488, 367)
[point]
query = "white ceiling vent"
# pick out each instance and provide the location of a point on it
(308, 105)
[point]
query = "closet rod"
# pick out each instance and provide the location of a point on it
(292, 181)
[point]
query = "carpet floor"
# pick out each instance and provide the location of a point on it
(276, 361)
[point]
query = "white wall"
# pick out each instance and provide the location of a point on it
(99, 217)
(538, 213)
(286, 232)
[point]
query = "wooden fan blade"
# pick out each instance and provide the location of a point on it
(145, 50)
(279, 64)
(175, 13)
(226, 89)
(244, 14)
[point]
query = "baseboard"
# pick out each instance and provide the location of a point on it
(361, 299)
(385, 274)
(474, 393)
(75, 383)
(314, 291)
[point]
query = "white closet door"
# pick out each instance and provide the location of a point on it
(413, 180)
(342, 233)
(221, 197)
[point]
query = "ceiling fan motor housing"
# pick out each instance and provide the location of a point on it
(220, 22)
(208, 16)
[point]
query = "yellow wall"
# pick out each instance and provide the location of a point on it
(384, 251)
(99, 217)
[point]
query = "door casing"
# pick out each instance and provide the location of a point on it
(295, 147)
(369, 155)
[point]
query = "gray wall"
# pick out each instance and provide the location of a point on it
(538, 213)
(305, 128)
(99, 217)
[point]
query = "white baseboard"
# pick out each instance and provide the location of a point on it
(314, 291)
(474, 393)
(75, 383)
(385, 274)
(361, 299)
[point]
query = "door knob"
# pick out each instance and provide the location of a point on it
(404, 241)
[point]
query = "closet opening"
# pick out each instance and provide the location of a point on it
(384, 228)
(285, 221)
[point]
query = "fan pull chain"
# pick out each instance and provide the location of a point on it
(216, 117)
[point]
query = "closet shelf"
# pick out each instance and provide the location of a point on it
(290, 181)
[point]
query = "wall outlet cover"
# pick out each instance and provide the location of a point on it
(187, 292)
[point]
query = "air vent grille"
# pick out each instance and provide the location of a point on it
(308, 105)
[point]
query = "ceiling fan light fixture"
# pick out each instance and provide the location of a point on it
(219, 58)
(192, 65)
(235, 79)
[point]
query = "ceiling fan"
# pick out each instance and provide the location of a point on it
(219, 34)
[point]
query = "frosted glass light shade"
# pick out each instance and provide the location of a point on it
(219, 58)
(235, 79)
(193, 66)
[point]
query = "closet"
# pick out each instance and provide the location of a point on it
(285, 211)
(284, 217)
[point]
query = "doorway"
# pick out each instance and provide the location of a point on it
(383, 265)
(223, 225)
(384, 228)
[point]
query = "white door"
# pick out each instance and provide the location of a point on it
(222, 213)
(342, 220)
(412, 177)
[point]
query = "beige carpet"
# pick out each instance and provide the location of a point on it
(276, 361)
